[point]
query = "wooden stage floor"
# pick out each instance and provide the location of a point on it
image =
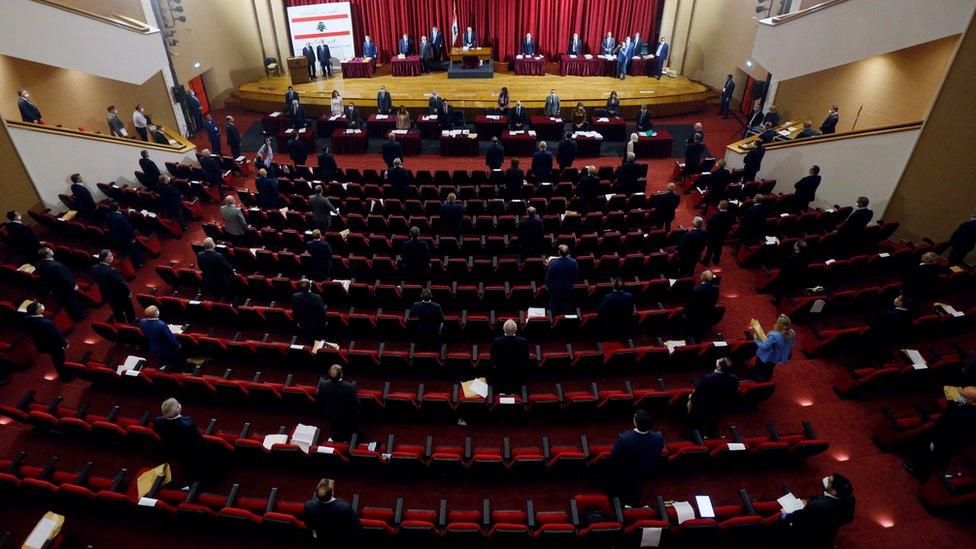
(666, 96)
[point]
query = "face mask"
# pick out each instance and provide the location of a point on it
(826, 483)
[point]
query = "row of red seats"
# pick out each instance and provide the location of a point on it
(76, 229)
(950, 488)
(896, 430)
(829, 245)
(78, 259)
(856, 380)
(11, 274)
(925, 327)
(141, 198)
(733, 522)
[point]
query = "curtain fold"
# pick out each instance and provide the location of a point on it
(501, 24)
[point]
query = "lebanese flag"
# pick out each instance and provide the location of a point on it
(454, 27)
(317, 26)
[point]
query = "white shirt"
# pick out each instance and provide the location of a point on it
(138, 119)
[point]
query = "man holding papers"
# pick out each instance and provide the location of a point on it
(634, 458)
(816, 524)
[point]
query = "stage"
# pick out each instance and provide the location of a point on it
(664, 97)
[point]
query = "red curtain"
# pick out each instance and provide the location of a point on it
(501, 23)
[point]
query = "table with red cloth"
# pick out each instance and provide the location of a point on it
(408, 66)
(658, 146)
(547, 127)
(326, 124)
(581, 66)
(490, 127)
(429, 126)
(410, 140)
(614, 129)
(532, 66)
(639, 66)
(380, 127)
(458, 145)
(587, 146)
(275, 122)
(519, 143)
(349, 143)
(357, 68)
(307, 135)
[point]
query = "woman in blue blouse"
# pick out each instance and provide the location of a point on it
(774, 347)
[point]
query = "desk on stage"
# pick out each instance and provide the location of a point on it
(275, 122)
(470, 63)
(459, 144)
(611, 128)
(326, 124)
(519, 143)
(408, 66)
(359, 67)
(587, 144)
(429, 126)
(656, 146)
(580, 65)
(489, 126)
(409, 140)
(531, 66)
(548, 127)
(349, 141)
(379, 125)
(307, 136)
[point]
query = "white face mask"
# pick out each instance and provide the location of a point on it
(826, 484)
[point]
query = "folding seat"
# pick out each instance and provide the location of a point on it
(603, 534)
(507, 269)
(554, 529)
(440, 404)
(487, 460)
(618, 356)
(581, 402)
(753, 393)
(463, 528)
(509, 528)
(567, 458)
(362, 356)
(418, 528)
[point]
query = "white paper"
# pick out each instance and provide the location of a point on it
(131, 373)
(303, 436)
(884, 254)
(506, 400)
(537, 312)
(671, 281)
(651, 537)
(325, 450)
(818, 306)
(571, 317)
(274, 114)
(736, 446)
(175, 328)
(672, 344)
(371, 446)
(271, 440)
(194, 302)
(147, 502)
(705, 507)
(685, 511)
(479, 388)
(720, 343)
(830, 261)
(772, 241)
(132, 361)
(918, 361)
(382, 116)
(790, 503)
(296, 347)
(949, 309)
(43, 530)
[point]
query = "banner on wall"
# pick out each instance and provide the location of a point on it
(316, 23)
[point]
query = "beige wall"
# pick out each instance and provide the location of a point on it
(18, 190)
(128, 8)
(935, 192)
(893, 88)
(72, 98)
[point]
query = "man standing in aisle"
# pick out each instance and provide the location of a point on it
(213, 132)
(384, 102)
(48, 339)
(660, 58)
(727, 96)
(233, 137)
(196, 110)
(552, 104)
(114, 288)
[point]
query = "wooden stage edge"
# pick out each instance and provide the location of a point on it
(664, 97)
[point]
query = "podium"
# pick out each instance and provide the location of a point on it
(298, 69)
(462, 63)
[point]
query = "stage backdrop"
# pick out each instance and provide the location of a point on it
(313, 23)
(500, 24)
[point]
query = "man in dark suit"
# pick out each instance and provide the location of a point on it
(328, 170)
(566, 151)
(767, 133)
(435, 104)
(298, 119)
(415, 257)
(324, 55)
(169, 201)
(576, 46)
(215, 269)
(715, 183)
(752, 162)
(514, 180)
(529, 47)
(384, 101)
(792, 272)
(628, 176)
(21, 237)
(588, 187)
(495, 156)
(267, 187)
(404, 45)
(807, 131)
(339, 403)
(123, 234)
(446, 117)
(664, 205)
(452, 217)
(47, 338)
(60, 281)
(510, 357)
(81, 198)
(893, 324)
(829, 124)
(542, 163)
(727, 91)
(233, 136)
(309, 311)
(437, 43)
(817, 523)
(518, 119)
(150, 169)
(699, 310)
(561, 274)
(369, 49)
(608, 44)
(922, 280)
(332, 521)
(290, 97)
(113, 288)
(320, 253)
(772, 116)
(162, 343)
(531, 234)
(634, 457)
(805, 190)
(195, 107)
(694, 152)
(713, 394)
(718, 228)
(660, 58)
(353, 120)
(296, 151)
(690, 248)
(469, 39)
(322, 209)
(212, 173)
(426, 53)
(28, 110)
(309, 53)
(213, 133)
(392, 149)
(616, 311)
(752, 224)
(853, 227)
(644, 123)
(429, 320)
(399, 179)
(962, 241)
(182, 441)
